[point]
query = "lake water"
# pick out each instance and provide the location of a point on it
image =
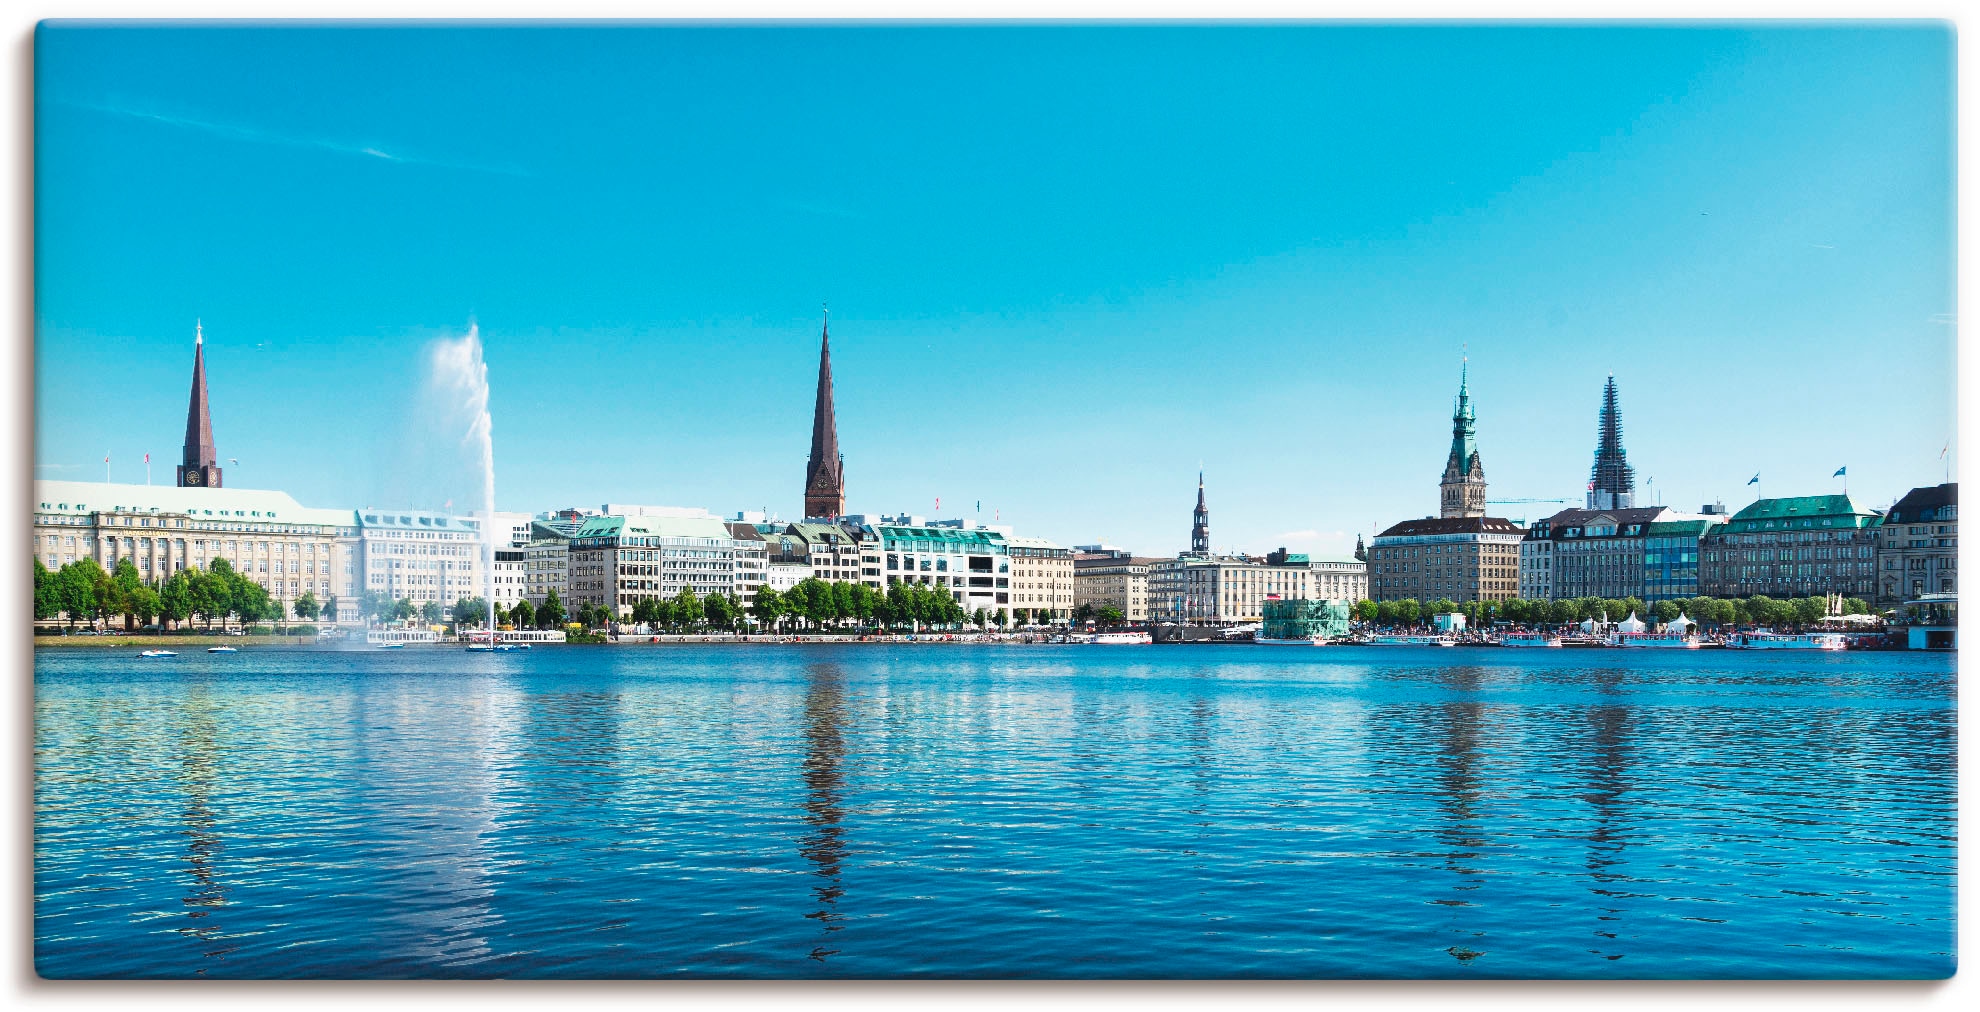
(859, 810)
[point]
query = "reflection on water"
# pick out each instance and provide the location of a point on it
(1039, 811)
(197, 769)
(825, 722)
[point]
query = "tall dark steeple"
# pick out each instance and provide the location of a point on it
(199, 466)
(824, 475)
(1199, 532)
(1463, 486)
(1611, 482)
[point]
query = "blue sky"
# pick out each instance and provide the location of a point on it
(1065, 265)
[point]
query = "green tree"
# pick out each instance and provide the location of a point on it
(1366, 611)
(551, 615)
(175, 597)
(1855, 606)
(719, 611)
(124, 584)
(1666, 611)
(329, 610)
(1385, 613)
(404, 610)
(844, 602)
(900, 603)
(686, 609)
(522, 616)
(1809, 610)
(306, 607)
(252, 603)
(1083, 614)
(1111, 616)
(144, 603)
(430, 613)
(1408, 611)
(46, 601)
(470, 612)
(768, 607)
(866, 604)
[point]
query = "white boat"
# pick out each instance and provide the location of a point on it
(157, 653)
(1530, 640)
(1670, 639)
(391, 646)
(475, 647)
(1413, 641)
(1121, 639)
(1764, 639)
(1296, 641)
(222, 650)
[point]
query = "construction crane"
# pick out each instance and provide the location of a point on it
(1502, 502)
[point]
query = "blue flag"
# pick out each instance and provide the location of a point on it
(1840, 472)
(1752, 480)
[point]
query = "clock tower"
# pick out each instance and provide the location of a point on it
(200, 467)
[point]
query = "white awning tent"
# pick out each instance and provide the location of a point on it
(1632, 624)
(1683, 621)
(1588, 625)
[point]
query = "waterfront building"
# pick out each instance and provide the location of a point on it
(825, 471)
(835, 551)
(1671, 548)
(782, 576)
(1536, 565)
(1793, 547)
(563, 522)
(199, 465)
(1598, 552)
(1041, 577)
(421, 555)
(511, 575)
(1462, 491)
(1611, 481)
(1112, 578)
(266, 536)
(547, 560)
(973, 565)
(751, 556)
(1334, 579)
(615, 561)
(1460, 558)
(1918, 549)
(1225, 589)
(513, 529)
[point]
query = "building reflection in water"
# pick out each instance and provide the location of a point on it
(1608, 784)
(1458, 729)
(199, 754)
(826, 719)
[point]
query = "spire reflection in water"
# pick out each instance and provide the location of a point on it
(825, 723)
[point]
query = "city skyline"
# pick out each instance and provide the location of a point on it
(1234, 341)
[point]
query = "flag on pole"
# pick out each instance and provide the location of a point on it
(147, 458)
(1840, 472)
(1942, 453)
(1755, 479)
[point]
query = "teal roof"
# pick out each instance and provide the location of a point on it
(653, 527)
(950, 538)
(1791, 511)
(1668, 527)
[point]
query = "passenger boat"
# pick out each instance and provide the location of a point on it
(1764, 639)
(1121, 639)
(222, 650)
(1530, 640)
(1671, 639)
(158, 653)
(1412, 641)
(1295, 641)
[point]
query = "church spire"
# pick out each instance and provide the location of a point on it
(824, 474)
(1611, 482)
(1199, 531)
(199, 465)
(1463, 487)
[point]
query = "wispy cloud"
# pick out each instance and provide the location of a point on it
(256, 135)
(1822, 245)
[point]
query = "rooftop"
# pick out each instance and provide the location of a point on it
(1452, 525)
(78, 498)
(1924, 503)
(1801, 507)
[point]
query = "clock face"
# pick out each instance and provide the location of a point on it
(194, 477)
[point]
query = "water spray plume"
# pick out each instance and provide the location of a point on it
(461, 372)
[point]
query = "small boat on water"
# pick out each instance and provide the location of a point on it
(1530, 640)
(1121, 639)
(1670, 639)
(222, 650)
(1296, 641)
(1766, 639)
(158, 653)
(1412, 641)
(478, 647)
(506, 647)
(391, 646)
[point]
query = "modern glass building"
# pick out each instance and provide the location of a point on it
(1670, 558)
(1299, 620)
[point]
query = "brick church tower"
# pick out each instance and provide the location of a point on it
(200, 466)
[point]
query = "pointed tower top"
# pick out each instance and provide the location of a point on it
(824, 477)
(199, 332)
